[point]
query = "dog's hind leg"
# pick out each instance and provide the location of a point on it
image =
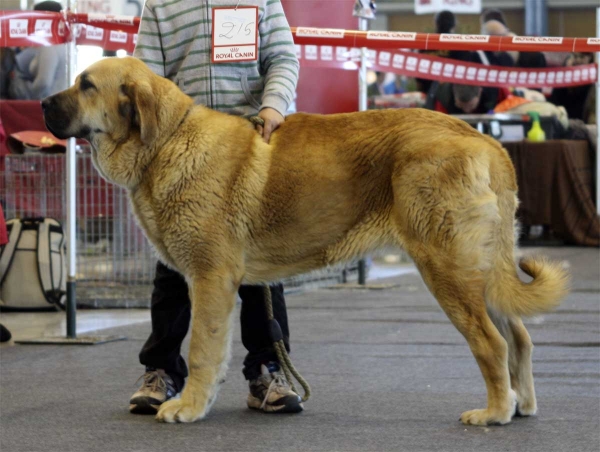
(213, 300)
(519, 361)
(460, 293)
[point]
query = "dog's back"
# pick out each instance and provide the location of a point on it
(341, 186)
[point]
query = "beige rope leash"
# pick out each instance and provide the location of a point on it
(256, 120)
(284, 359)
(275, 330)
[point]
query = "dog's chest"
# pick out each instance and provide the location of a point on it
(146, 216)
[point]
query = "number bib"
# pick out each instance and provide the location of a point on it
(235, 34)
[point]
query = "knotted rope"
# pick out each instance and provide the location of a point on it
(282, 355)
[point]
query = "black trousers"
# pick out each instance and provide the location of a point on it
(171, 313)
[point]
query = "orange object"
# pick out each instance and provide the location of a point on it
(35, 140)
(509, 103)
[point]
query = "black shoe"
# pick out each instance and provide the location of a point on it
(4, 334)
(272, 393)
(157, 388)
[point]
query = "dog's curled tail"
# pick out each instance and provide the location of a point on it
(505, 292)
(508, 294)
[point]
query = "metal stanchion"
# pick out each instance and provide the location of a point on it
(71, 172)
(363, 25)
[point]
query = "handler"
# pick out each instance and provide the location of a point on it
(238, 59)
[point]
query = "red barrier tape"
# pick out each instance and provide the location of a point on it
(431, 41)
(336, 48)
(446, 70)
(127, 24)
(333, 37)
(32, 28)
(28, 29)
(107, 39)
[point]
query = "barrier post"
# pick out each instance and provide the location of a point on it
(362, 71)
(71, 171)
(71, 218)
(362, 106)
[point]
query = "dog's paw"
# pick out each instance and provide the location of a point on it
(492, 416)
(484, 417)
(527, 408)
(178, 410)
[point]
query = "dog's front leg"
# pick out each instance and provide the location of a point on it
(213, 300)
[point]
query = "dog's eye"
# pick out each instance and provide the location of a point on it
(86, 84)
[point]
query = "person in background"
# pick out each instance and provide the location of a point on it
(495, 15)
(7, 65)
(536, 60)
(399, 85)
(441, 97)
(445, 22)
(39, 71)
(589, 108)
(492, 14)
(531, 60)
(264, 87)
(465, 99)
(496, 28)
(383, 86)
(574, 98)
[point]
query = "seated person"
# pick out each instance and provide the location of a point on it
(39, 71)
(531, 60)
(496, 28)
(492, 14)
(382, 86)
(536, 60)
(574, 98)
(466, 99)
(7, 64)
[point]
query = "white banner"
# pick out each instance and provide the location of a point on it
(456, 6)
(117, 7)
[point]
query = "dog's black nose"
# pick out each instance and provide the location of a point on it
(46, 103)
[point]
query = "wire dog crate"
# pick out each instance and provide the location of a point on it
(115, 263)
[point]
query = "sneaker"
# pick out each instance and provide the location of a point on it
(272, 393)
(157, 388)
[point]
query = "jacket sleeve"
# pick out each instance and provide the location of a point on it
(278, 59)
(149, 45)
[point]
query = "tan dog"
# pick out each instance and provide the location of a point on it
(222, 206)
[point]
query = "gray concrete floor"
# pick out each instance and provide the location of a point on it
(387, 369)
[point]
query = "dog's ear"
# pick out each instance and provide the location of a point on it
(145, 110)
(126, 110)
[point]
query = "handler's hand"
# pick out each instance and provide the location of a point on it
(273, 119)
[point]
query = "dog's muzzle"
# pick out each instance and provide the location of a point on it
(56, 118)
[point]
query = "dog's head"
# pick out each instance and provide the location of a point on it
(122, 108)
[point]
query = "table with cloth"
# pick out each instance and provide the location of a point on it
(556, 188)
